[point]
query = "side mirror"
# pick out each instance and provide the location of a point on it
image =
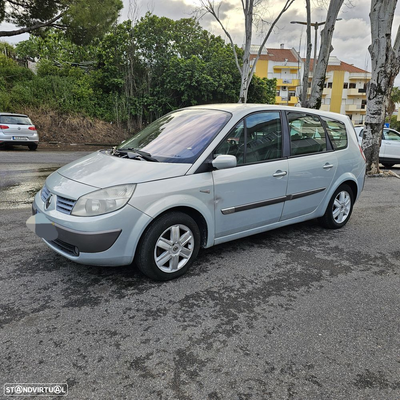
(224, 161)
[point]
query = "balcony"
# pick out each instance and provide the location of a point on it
(325, 91)
(357, 92)
(356, 108)
(293, 100)
(293, 69)
(288, 82)
(360, 76)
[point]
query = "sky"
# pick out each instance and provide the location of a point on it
(350, 41)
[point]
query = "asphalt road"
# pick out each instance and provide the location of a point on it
(296, 313)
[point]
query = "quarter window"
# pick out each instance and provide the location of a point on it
(307, 134)
(337, 133)
(257, 138)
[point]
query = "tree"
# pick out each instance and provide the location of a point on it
(246, 69)
(82, 20)
(321, 64)
(393, 99)
(304, 101)
(385, 62)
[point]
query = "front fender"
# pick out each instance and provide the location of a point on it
(195, 192)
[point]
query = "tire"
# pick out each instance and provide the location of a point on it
(32, 146)
(339, 208)
(386, 165)
(168, 247)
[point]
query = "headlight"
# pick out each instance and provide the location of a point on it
(103, 201)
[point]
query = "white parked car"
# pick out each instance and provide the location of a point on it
(198, 177)
(17, 129)
(389, 153)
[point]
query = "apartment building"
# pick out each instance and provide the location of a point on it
(345, 89)
(345, 85)
(286, 66)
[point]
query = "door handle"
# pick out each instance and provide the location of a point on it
(327, 166)
(279, 173)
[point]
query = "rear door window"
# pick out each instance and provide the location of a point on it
(307, 135)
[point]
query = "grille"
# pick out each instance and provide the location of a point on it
(65, 205)
(45, 194)
(66, 247)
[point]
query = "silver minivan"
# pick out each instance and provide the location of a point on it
(198, 177)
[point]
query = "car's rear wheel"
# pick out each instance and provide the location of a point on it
(339, 208)
(168, 247)
(386, 165)
(32, 146)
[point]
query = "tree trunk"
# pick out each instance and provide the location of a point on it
(308, 57)
(385, 63)
(248, 24)
(325, 50)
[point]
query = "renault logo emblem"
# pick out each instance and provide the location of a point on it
(48, 202)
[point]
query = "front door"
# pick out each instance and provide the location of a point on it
(390, 148)
(252, 194)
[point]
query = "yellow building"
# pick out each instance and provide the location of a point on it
(345, 84)
(345, 89)
(286, 66)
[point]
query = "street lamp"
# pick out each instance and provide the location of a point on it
(316, 25)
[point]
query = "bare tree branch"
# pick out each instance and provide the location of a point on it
(31, 28)
(284, 9)
(210, 8)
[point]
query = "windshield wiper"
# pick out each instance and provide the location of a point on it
(133, 153)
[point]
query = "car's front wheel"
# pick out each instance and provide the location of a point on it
(168, 247)
(339, 208)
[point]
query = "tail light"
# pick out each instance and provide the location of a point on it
(362, 153)
(4, 127)
(32, 128)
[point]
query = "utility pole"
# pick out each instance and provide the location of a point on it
(316, 25)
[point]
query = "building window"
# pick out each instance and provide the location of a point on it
(363, 104)
(329, 85)
(352, 86)
(346, 85)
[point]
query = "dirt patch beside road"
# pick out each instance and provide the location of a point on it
(58, 130)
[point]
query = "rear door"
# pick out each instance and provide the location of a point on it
(312, 162)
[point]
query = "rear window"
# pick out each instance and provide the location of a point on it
(337, 133)
(15, 119)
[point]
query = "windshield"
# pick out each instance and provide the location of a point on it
(179, 137)
(15, 119)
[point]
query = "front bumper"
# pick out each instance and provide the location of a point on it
(106, 240)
